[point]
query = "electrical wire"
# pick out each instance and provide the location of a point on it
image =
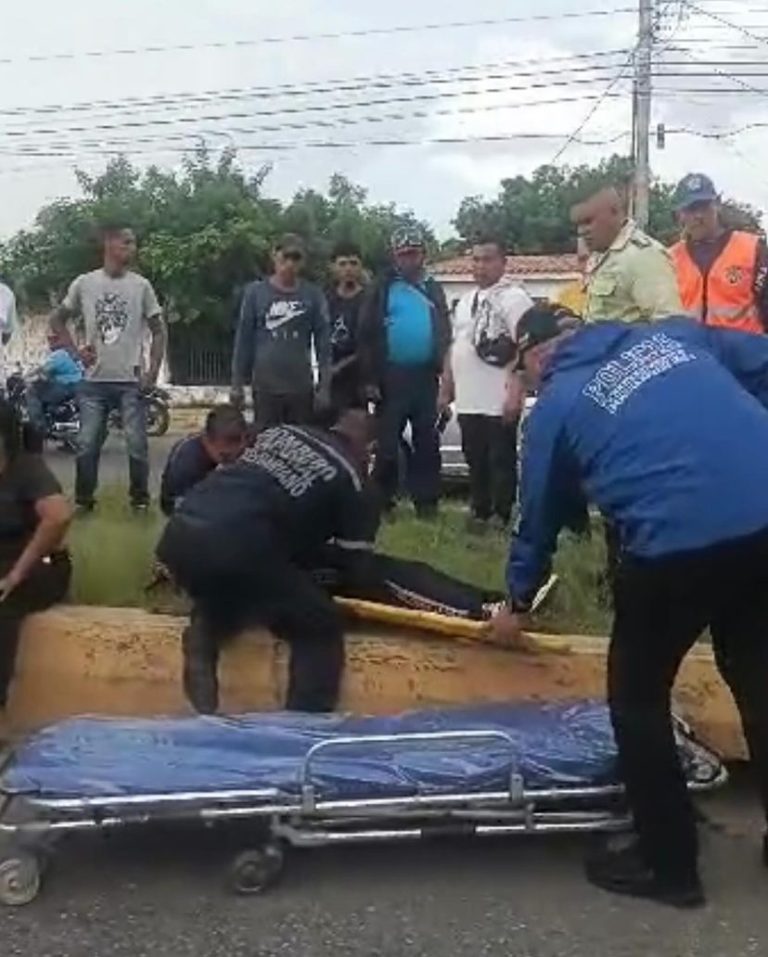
(303, 37)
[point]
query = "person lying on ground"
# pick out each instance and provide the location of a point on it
(222, 440)
(664, 427)
(34, 564)
(238, 544)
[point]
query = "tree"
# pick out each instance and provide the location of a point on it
(203, 232)
(532, 214)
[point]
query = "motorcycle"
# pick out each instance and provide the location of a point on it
(63, 420)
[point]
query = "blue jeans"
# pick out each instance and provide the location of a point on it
(97, 399)
(45, 394)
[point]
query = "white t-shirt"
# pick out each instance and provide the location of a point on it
(480, 387)
(8, 317)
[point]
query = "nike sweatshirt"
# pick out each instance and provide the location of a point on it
(276, 335)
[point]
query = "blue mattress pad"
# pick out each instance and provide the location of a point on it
(554, 745)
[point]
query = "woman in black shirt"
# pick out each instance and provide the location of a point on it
(34, 515)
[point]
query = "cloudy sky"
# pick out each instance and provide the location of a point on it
(421, 103)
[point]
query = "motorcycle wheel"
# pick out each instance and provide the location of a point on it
(158, 418)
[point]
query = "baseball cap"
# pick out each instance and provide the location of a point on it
(407, 237)
(694, 188)
(540, 323)
(290, 243)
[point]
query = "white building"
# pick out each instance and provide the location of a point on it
(543, 277)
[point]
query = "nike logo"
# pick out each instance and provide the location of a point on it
(281, 312)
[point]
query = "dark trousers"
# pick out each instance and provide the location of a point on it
(490, 448)
(238, 578)
(96, 401)
(269, 409)
(44, 587)
(661, 608)
(409, 395)
(44, 394)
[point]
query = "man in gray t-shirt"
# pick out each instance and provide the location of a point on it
(117, 307)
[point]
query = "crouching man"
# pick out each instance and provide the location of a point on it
(664, 428)
(239, 543)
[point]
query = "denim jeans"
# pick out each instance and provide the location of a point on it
(96, 400)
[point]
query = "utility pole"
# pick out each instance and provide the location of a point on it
(643, 111)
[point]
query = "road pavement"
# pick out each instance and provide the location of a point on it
(114, 462)
(163, 894)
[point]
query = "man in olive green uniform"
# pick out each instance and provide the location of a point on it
(630, 276)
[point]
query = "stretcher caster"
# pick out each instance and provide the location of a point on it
(21, 874)
(255, 871)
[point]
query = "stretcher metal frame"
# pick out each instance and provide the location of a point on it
(31, 825)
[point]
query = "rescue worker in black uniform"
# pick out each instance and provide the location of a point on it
(241, 543)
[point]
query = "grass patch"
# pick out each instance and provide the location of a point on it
(113, 553)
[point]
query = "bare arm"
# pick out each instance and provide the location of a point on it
(157, 347)
(514, 394)
(447, 393)
(54, 514)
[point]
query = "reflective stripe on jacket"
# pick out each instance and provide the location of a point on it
(723, 296)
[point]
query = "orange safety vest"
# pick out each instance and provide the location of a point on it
(724, 296)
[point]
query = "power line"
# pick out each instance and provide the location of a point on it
(593, 109)
(97, 128)
(304, 37)
(345, 145)
(121, 143)
(345, 84)
(724, 22)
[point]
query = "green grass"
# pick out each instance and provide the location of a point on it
(113, 551)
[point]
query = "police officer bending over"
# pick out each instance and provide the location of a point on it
(664, 427)
(240, 543)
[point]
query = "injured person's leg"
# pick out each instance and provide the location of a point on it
(407, 584)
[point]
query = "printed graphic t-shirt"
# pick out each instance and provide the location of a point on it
(115, 310)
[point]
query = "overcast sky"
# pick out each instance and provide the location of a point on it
(465, 82)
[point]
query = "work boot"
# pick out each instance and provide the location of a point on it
(625, 872)
(201, 685)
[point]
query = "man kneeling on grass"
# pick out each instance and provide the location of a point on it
(222, 440)
(664, 427)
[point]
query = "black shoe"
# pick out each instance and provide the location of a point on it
(140, 507)
(625, 872)
(84, 508)
(201, 684)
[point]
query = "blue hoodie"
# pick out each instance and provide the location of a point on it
(663, 426)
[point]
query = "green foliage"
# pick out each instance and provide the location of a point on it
(203, 232)
(113, 553)
(531, 214)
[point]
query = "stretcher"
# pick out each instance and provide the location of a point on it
(307, 780)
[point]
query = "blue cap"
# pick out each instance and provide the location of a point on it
(694, 188)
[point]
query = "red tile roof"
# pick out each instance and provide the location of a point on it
(562, 264)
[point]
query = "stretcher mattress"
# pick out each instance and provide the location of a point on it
(557, 745)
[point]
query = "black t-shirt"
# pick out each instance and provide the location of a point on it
(188, 464)
(25, 482)
(292, 490)
(344, 312)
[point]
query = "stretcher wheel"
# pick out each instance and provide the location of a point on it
(255, 871)
(20, 879)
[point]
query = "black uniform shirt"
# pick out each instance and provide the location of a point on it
(188, 464)
(295, 485)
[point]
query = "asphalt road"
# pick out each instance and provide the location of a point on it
(114, 462)
(163, 894)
